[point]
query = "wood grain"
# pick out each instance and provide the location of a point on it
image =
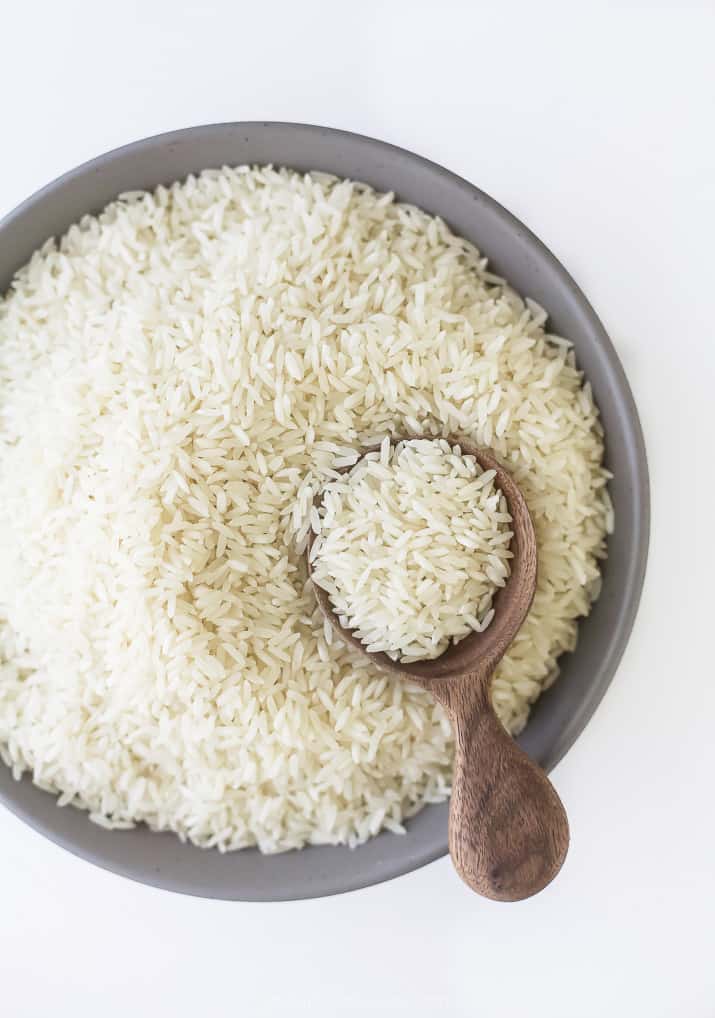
(508, 831)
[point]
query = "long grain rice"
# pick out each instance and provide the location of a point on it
(178, 376)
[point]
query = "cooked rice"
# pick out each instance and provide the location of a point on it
(178, 377)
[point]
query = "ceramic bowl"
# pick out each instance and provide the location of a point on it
(561, 713)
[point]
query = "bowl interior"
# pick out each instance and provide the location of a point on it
(562, 712)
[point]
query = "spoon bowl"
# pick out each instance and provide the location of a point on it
(508, 831)
(511, 603)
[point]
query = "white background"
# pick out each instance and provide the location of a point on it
(595, 125)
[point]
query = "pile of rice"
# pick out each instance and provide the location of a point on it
(178, 378)
(412, 544)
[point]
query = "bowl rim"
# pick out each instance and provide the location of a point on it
(418, 856)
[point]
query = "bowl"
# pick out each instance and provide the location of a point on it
(561, 714)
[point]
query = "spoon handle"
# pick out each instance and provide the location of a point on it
(508, 832)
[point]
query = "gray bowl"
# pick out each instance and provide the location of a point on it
(560, 714)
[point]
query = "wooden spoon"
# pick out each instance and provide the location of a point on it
(508, 832)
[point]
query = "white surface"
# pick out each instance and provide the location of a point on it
(595, 125)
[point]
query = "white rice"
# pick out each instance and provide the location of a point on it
(178, 377)
(412, 544)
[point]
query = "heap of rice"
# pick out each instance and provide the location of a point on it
(178, 377)
(412, 544)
